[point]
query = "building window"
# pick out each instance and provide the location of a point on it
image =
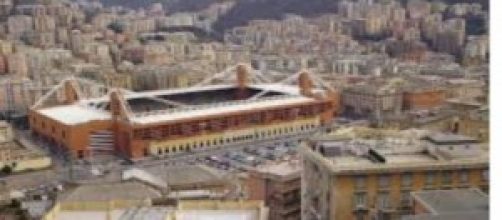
(406, 180)
(405, 199)
(384, 181)
(360, 200)
(360, 215)
(463, 177)
(159, 151)
(63, 134)
(446, 178)
(80, 154)
(383, 200)
(485, 176)
(360, 182)
(430, 178)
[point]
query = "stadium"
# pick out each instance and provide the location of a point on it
(167, 122)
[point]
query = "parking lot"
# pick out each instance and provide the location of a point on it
(249, 157)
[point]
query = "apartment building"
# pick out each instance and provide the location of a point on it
(278, 185)
(372, 101)
(373, 178)
(15, 155)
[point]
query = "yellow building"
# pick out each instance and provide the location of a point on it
(475, 124)
(5, 132)
(116, 80)
(366, 178)
(185, 210)
(15, 155)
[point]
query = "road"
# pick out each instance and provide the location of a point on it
(86, 170)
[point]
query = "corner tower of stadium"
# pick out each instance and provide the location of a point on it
(168, 122)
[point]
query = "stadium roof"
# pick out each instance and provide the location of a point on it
(166, 110)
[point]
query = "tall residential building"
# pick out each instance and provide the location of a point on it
(18, 24)
(16, 65)
(373, 178)
(374, 101)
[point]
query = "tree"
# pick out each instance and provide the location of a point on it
(6, 170)
(117, 26)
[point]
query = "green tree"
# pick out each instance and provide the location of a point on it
(6, 170)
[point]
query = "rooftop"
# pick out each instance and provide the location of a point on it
(284, 169)
(452, 201)
(111, 191)
(457, 204)
(188, 176)
(75, 114)
(389, 151)
(191, 175)
(179, 104)
(448, 138)
(186, 210)
(218, 214)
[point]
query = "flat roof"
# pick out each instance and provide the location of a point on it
(453, 201)
(159, 213)
(357, 154)
(282, 168)
(188, 175)
(218, 214)
(448, 138)
(150, 213)
(86, 215)
(111, 191)
(450, 216)
(197, 174)
(75, 114)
